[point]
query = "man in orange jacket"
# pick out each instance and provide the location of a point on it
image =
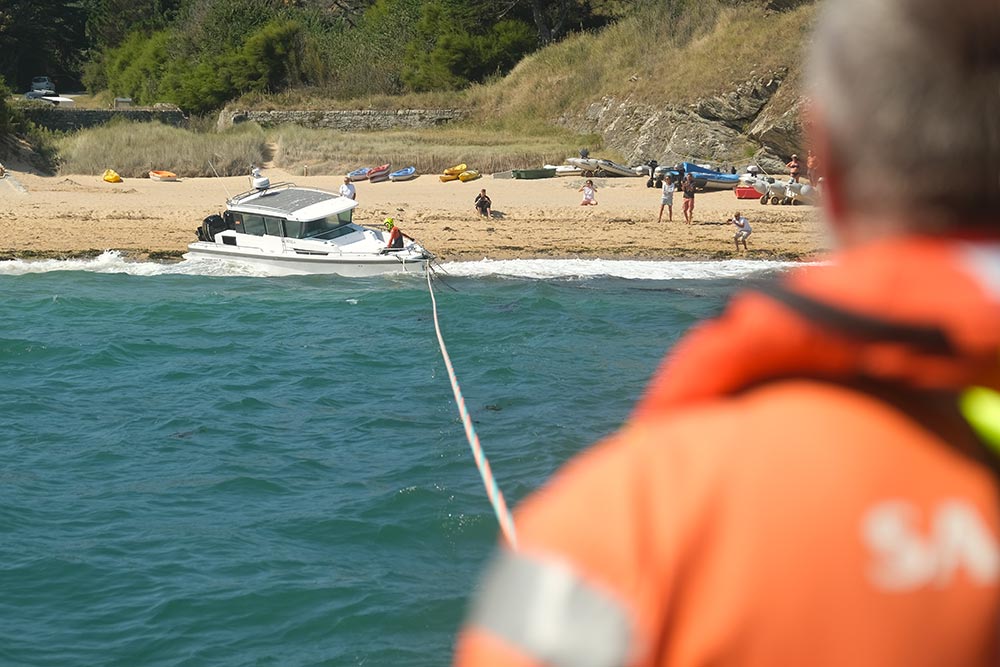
(812, 478)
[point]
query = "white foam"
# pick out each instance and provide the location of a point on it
(543, 269)
(535, 269)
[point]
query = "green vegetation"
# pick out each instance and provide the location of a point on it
(296, 54)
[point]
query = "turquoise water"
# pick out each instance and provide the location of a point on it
(207, 467)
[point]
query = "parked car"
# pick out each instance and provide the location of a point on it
(43, 83)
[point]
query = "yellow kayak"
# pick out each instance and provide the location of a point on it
(448, 177)
(456, 170)
(469, 175)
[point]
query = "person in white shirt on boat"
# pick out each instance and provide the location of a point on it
(743, 229)
(667, 200)
(347, 189)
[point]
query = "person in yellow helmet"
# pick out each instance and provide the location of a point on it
(396, 235)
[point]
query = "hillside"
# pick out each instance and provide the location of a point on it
(716, 81)
(705, 80)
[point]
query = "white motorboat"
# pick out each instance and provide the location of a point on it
(294, 230)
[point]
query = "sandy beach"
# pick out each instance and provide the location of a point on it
(61, 216)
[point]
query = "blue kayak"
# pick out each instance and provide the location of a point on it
(403, 174)
(359, 174)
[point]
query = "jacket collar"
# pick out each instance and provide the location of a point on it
(920, 312)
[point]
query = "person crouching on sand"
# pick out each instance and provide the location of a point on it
(484, 204)
(743, 230)
(589, 194)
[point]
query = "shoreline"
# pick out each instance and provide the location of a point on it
(80, 216)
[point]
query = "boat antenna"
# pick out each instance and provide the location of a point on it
(228, 196)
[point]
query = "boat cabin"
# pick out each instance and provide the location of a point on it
(285, 211)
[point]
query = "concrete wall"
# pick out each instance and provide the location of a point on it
(359, 120)
(56, 118)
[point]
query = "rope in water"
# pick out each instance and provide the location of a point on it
(503, 514)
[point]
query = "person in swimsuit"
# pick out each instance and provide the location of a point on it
(589, 194)
(688, 188)
(794, 168)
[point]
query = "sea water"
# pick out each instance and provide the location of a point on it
(204, 466)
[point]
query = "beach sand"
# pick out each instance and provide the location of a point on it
(63, 216)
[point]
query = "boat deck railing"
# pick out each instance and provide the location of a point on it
(282, 185)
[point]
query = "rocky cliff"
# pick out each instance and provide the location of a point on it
(758, 122)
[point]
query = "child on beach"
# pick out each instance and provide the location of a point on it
(589, 193)
(743, 230)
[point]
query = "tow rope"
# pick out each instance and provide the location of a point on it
(504, 517)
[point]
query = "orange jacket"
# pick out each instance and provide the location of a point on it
(773, 501)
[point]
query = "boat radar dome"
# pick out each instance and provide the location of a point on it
(259, 182)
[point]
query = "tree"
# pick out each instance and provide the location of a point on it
(109, 22)
(41, 37)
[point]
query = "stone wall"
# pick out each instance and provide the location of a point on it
(62, 119)
(358, 120)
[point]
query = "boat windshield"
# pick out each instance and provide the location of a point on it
(331, 227)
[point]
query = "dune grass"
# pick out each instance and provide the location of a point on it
(133, 149)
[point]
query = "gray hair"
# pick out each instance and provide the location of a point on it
(909, 93)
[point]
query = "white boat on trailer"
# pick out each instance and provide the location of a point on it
(296, 230)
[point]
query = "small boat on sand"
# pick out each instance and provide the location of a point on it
(161, 175)
(468, 175)
(586, 165)
(456, 170)
(714, 180)
(607, 167)
(379, 173)
(404, 174)
(359, 174)
(531, 174)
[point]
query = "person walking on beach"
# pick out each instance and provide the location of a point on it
(794, 168)
(743, 230)
(687, 190)
(484, 204)
(667, 198)
(589, 194)
(812, 478)
(347, 189)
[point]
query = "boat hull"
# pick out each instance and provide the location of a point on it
(347, 266)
